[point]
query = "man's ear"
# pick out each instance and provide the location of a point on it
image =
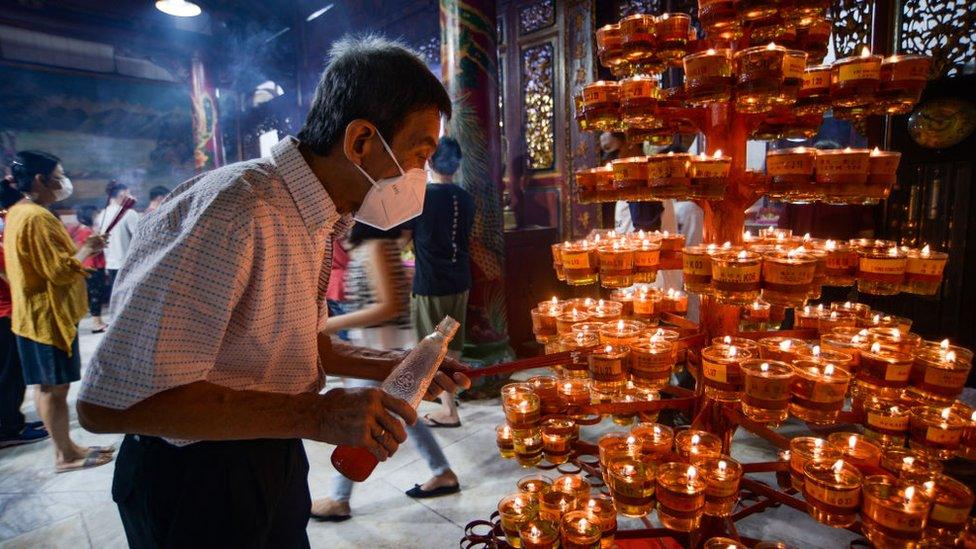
(356, 141)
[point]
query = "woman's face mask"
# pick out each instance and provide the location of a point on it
(393, 200)
(65, 190)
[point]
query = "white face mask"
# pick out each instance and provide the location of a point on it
(65, 191)
(394, 200)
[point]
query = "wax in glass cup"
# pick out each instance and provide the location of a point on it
(631, 484)
(832, 490)
(858, 450)
(817, 392)
(630, 180)
(784, 349)
(579, 531)
(883, 371)
(708, 76)
(638, 102)
(693, 445)
(880, 272)
(697, 268)
(609, 46)
(534, 483)
(804, 449)
(808, 316)
(766, 390)
(630, 394)
(603, 513)
(545, 388)
(609, 367)
(721, 373)
(503, 439)
(729, 543)
(671, 246)
(854, 80)
(910, 466)
(886, 422)
(860, 310)
(528, 446)
(680, 496)
(580, 263)
(522, 406)
(577, 342)
(544, 320)
(575, 392)
(760, 72)
(654, 441)
(553, 503)
(941, 372)
(741, 343)
(601, 105)
(736, 276)
(818, 354)
(893, 515)
(952, 502)
(647, 260)
(605, 311)
(755, 317)
(852, 341)
(923, 271)
(891, 335)
(787, 277)
(647, 301)
(903, 77)
(639, 39)
(842, 264)
(514, 511)
(667, 175)
(936, 431)
(612, 445)
(829, 320)
(673, 30)
(722, 475)
(557, 439)
(621, 332)
(790, 171)
(624, 296)
(573, 484)
(652, 360)
(539, 533)
(566, 319)
(882, 173)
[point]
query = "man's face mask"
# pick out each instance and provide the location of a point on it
(394, 200)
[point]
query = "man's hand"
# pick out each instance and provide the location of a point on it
(363, 418)
(450, 377)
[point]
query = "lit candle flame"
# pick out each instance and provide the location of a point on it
(893, 251)
(818, 443)
(608, 349)
(926, 251)
(727, 340)
(657, 431)
(692, 472)
(628, 470)
(535, 532)
(584, 525)
(876, 152)
(830, 245)
(852, 441)
(733, 351)
(771, 46)
(909, 494)
(710, 51)
(718, 153)
(863, 332)
(742, 255)
(829, 370)
(506, 431)
(944, 345)
(764, 367)
(848, 149)
(876, 347)
(695, 439)
(950, 356)
(726, 245)
(838, 466)
(945, 413)
(865, 52)
(973, 417)
(722, 465)
(816, 351)
(747, 236)
(785, 345)
(567, 387)
(620, 325)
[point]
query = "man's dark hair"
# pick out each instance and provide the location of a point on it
(86, 215)
(157, 192)
(374, 79)
(114, 188)
(362, 232)
(447, 158)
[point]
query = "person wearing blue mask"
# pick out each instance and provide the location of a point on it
(216, 356)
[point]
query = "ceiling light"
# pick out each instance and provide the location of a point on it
(178, 8)
(318, 12)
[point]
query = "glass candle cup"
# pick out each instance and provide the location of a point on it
(609, 46)
(557, 439)
(886, 422)
(621, 332)
(708, 76)
(575, 392)
(804, 449)
(503, 439)
(573, 484)
(613, 445)
(692, 445)
(647, 260)
(539, 533)
(697, 269)
(760, 71)
(755, 316)
(766, 395)
(654, 441)
(671, 246)
(544, 322)
(514, 511)
(833, 491)
(616, 265)
(903, 77)
(846, 340)
(709, 175)
(639, 39)
(842, 173)
(545, 388)
(784, 349)
(603, 513)
(647, 304)
(854, 80)
(609, 368)
(605, 311)
(839, 359)
(952, 502)
(736, 276)
(601, 105)
(630, 176)
(522, 406)
(787, 277)
(741, 343)
(717, 16)
(673, 30)
(936, 431)
(892, 515)
(631, 484)
(882, 173)
(808, 316)
(667, 175)
(923, 271)
(721, 373)
(553, 503)
(813, 98)
(534, 484)
(557, 259)
(577, 366)
(860, 310)
(910, 466)
(817, 392)
(587, 182)
(527, 444)
(842, 264)
(722, 475)
(942, 372)
(967, 444)
(857, 450)
(567, 319)
(680, 496)
(631, 393)
(790, 171)
(880, 272)
(828, 321)
(883, 371)
(638, 102)
(579, 531)
(652, 361)
(580, 263)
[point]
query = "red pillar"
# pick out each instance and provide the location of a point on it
(208, 148)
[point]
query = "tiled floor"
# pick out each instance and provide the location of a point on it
(75, 510)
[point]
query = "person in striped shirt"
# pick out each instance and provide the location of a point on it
(214, 362)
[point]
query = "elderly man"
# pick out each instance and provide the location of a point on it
(214, 362)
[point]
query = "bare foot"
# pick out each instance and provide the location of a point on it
(93, 459)
(441, 417)
(329, 507)
(447, 479)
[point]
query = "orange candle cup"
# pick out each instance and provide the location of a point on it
(639, 39)
(527, 444)
(601, 105)
(882, 173)
(708, 76)
(667, 175)
(624, 296)
(647, 260)
(903, 77)
(923, 271)
(936, 431)
(852, 341)
(790, 171)
(883, 371)
(722, 476)
(613, 445)
(603, 513)
(952, 502)
(534, 484)
(721, 373)
(638, 102)
(575, 392)
(539, 534)
(631, 393)
(692, 445)
(621, 332)
(652, 360)
(609, 368)
(817, 354)
(709, 175)
(514, 511)
(673, 30)
(616, 265)
(578, 342)
(805, 449)
(942, 372)
(817, 392)
(680, 496)
(630, 176)
(631, 484)
(892, 515)
(755, 317)
(854, 80)
(609, 46)
(521, 405)
(761, 74)
(857, 450)
(575, 485)
(787, 277)
(736, 276)
(832, 491)
(654, 441)
(605, 311)
(568, 318)
(647, 304)
(794, 65)
(697, 268)
(557, 439)
(671, 246)
(545, 388)
(886, 422)
(579, 531)
(784, 349)
(967, 443)
(860, 310)
(741, 343)
(880, 272)
(813, 98)
(829, 320)
(580, 263)
(588, 182)
(718, 16)
(842, 264)
(766, 395)
(553, 503)
(503, 439)
(674, 301)
(910, 466)
(808, 316)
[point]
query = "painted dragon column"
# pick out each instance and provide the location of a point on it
(469, 69)
(208, 149)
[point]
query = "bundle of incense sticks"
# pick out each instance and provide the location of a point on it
(127, 205)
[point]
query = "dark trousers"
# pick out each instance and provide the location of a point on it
(110, 275)
(11, 383)
(250, 493)
(97, 294)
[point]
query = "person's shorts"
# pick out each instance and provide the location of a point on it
(426, 311)
(47, 365)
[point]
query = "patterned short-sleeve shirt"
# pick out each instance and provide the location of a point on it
(225, 283)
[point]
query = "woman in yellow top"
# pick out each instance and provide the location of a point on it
(47, 285)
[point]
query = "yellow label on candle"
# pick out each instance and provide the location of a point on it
(736, 273)
(789, 164)
(869, 69)
(813, 80)
(897, 519)
(600, 94)
(839, 498)
(949, 515)
(922, 266)
(576, 260)
(630, 170)
(715, 371)
(793, 66)
(790, 274)
(886, 422)
(879, 265)
(647, 258)
(616, 261)
(939, 435)
(898, 371)
(696, 264)
(707, 66)
(943, 377)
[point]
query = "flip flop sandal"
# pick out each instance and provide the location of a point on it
(433, 423)
(110, 449)
(93, 459)
(419, 493)
(331, 518)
